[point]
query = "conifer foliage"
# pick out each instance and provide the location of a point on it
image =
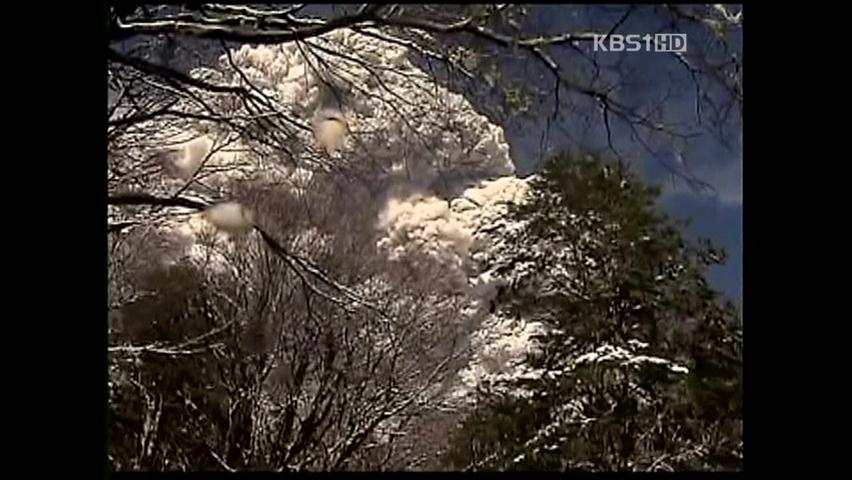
(640, 365)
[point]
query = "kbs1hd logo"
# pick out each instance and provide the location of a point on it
(659, 42)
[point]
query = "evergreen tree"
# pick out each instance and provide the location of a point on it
(640, 365)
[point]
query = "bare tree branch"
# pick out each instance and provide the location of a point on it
(147, 199)
(237, 34)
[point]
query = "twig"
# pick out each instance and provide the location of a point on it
(221, 462)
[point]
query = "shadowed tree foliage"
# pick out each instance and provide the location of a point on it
(641, 365)
(242, 362)
(304, 348)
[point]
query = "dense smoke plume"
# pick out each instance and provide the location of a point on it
(439, 173)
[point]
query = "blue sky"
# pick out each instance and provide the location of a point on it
(718, 217)
(654, 77)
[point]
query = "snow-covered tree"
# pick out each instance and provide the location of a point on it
(639, 363)
(309, 220)
(358, 279)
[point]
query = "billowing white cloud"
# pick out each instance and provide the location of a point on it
(445, 170)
